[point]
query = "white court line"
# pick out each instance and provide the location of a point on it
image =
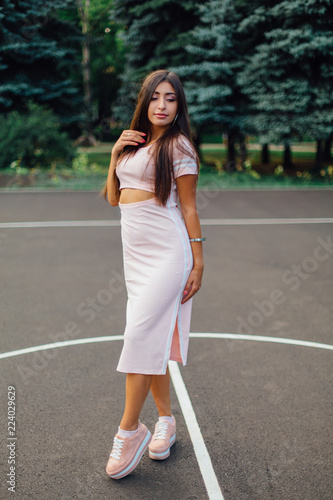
(246, 222)
(204, 222)
(61, 223)
(63, 343)
(200, 449)
(262, 338)
(109, 338)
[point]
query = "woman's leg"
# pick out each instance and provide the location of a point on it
(137, 388)
(160, 389)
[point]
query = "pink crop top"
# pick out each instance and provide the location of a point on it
(138, 171)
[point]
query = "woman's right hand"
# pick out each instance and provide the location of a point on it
(128, 138)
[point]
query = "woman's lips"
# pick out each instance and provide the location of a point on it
(160, 115)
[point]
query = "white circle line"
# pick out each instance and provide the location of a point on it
(263, 338)
(109, 338)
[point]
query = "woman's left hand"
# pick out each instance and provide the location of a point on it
(193, 284)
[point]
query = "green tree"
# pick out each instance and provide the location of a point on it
(102, 59)
(155, 33)
(107, 58)
(288, 72)
(213, 62)
(33, 138)
(38, 55)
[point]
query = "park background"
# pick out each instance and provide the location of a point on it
(257, 75)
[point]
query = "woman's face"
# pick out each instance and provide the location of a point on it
(163, 106)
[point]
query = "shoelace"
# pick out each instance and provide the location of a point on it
(117, 448)
(161, 430)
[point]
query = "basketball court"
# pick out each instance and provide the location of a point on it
(254, 404)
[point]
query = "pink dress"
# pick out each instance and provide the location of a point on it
(157, 260)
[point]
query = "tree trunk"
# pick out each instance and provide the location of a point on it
(265, 154)
(197, 142)
(242, 148)
(327, 149)
(319, 156)
(86, 69)
(287, 163)
(231, 163)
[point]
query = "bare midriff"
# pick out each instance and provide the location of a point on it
(129, 195)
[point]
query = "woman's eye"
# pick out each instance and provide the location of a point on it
(169, 100)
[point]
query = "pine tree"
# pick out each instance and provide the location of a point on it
(210, 79)
(102, 59)
(38, 55)
(155, 34)
(288, 72)
(107, 57)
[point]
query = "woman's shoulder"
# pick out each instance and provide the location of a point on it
(185, 159)
(183, 146)
(182, 141)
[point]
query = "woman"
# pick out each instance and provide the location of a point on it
(152, 166)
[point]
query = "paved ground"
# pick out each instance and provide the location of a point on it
(264, 409)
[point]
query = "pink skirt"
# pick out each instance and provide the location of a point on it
(157, 259)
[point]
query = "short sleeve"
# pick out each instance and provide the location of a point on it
(184, 158)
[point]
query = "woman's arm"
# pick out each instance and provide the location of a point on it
(127, 138)
(112, 182)
(186, 187)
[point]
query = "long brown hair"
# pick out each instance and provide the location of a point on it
(163, 148)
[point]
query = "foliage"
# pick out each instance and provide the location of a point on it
(327, 172)
(279, 170)
(102, 61)
(262, 68)
(288, 69)
(38, 56)
(107, 57)
(81, 165)
(32, 139)
(155, 34)
(210, 78)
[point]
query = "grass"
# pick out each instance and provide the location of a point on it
(89, 171)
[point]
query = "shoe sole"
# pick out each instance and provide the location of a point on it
(144, 445)
(165, 454)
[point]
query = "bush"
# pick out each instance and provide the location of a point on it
(33, 139)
